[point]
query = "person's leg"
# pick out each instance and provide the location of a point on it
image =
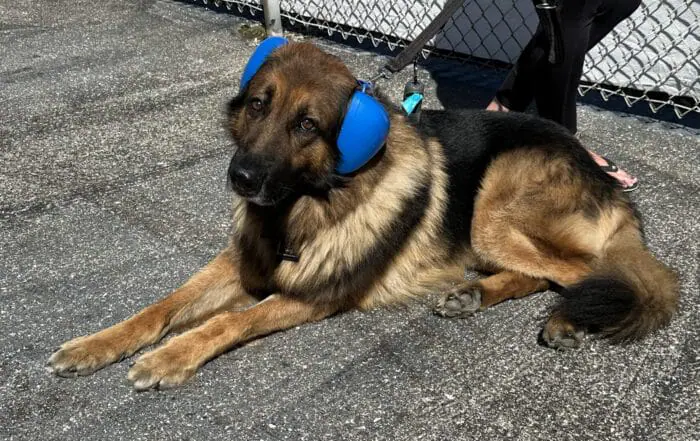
(555, 87)
(610, 14)
(584, 24)
(517, 92)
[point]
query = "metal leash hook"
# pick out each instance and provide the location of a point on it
(412, 92)
(383, 74)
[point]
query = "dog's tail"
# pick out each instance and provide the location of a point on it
(628, 295)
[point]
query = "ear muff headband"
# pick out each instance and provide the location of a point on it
(364, 128)
(261, 53)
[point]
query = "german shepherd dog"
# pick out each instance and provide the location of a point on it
(513, 196)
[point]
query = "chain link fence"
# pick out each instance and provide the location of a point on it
(653, 56)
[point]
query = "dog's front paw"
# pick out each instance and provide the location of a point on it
(82, 356)
(459, 303)
(161, 369)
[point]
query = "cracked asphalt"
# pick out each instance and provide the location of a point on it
(112, 192)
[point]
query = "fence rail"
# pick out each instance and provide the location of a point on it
(653, 56)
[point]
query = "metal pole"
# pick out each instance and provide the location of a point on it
(273, 19)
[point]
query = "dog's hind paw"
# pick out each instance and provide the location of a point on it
(459, 303)
(559, 334)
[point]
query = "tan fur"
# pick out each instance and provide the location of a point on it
(508, 285)
(533, 222)
(656, 286)
(210, 290)
(555, 241)
(178, 359)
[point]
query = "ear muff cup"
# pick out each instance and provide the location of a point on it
(363, 133)
(365, 126)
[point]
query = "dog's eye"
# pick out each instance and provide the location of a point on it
(256, 104)
(307, 124)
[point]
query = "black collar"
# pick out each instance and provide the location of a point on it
(285, 252)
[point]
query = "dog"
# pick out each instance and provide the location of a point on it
(513, 196)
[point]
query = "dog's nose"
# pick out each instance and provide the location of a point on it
(245, 181)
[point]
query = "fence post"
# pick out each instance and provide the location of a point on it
(273, 19)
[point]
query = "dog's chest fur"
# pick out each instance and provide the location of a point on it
(340, 255)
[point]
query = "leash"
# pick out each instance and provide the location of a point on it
(409, 53)
(413, 90)
(547, 12)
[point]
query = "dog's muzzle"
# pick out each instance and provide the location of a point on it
(246, 179)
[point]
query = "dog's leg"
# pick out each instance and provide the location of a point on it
(215, 287)
(474, 295)
(177, 360)
(544, 262)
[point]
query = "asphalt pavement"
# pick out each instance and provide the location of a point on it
(113, 156)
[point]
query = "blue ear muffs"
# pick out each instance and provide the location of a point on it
(363, 132)
(365, 126)
(259, 56)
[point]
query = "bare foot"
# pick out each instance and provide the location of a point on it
(626, 180)
(496, 106)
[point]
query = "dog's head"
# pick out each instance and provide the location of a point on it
(285, 123)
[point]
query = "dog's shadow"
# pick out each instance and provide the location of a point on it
(463, 85)
(471, 85)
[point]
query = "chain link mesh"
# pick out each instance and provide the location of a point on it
(251, 7)
(652, 56)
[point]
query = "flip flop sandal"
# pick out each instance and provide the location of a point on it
(611, 167)
(631, 187)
